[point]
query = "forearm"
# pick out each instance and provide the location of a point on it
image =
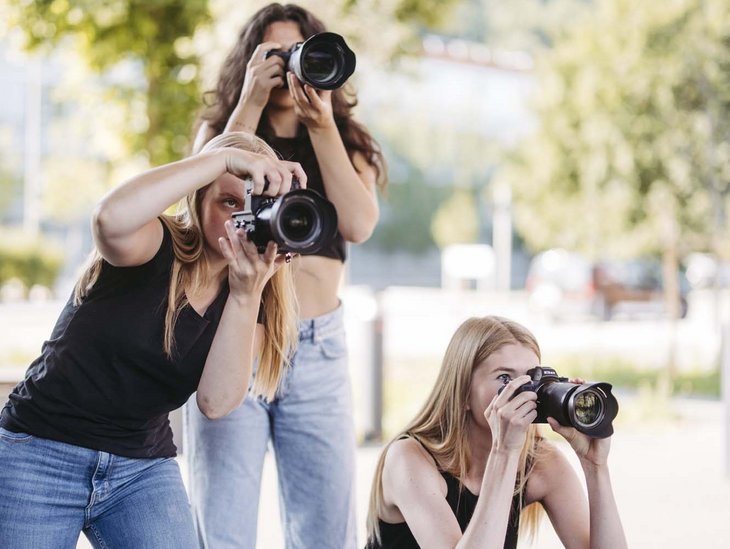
(488, 525)
(355, 201)
(227, 370)
(141, 199)
(605, 522)
(245, 117)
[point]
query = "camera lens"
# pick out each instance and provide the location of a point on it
(298, 222)
(588, 408)
(321, 65)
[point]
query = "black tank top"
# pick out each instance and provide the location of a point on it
(462, 503)
(299, 149)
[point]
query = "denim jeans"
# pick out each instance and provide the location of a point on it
(52, 491)
(310, 427)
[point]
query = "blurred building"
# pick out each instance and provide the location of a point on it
(456, 97)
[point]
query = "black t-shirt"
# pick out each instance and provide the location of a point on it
(299, 149)
(103, 380)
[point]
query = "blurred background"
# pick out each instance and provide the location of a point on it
(565, 163)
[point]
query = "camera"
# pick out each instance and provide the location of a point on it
(589, 407)
(323, 61)
(300, 221)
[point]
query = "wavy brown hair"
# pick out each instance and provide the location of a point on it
(221, 102)
(190, 271)
(441, 425)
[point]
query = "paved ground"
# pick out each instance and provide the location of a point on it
(668, 478)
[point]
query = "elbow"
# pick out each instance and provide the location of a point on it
(102, 220)
(359, 232)
(213, 410)
(359, 235)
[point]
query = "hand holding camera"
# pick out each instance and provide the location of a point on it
(263, 74)
(300, 221)
(510, 414)
(590, 408)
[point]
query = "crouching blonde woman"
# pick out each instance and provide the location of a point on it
(167, 306)
(472, 471)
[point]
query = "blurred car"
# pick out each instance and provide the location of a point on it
(561, 283)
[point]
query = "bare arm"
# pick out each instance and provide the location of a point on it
(351, 190)
(412, 483)
(606, 531)
(262, 75)
(124, 223)
(227, 370)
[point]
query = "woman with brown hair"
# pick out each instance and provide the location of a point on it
(309, 422)
(471, 468)
(167, 305)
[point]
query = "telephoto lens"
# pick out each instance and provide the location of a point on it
(589, 407)
(300, 221)
(324, 61)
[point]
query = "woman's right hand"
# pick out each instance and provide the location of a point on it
(262, 75)
(270, 176)
(510, 417)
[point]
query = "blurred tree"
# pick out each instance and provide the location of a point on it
(631, 155)
(145, 50)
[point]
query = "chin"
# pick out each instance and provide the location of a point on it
(281, 98)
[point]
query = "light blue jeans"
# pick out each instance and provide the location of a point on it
(51, 491)
(311, 430)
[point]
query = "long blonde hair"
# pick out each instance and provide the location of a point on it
(441, 424)
(190, 271)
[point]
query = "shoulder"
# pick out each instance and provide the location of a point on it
(408, 469)
(550, 469)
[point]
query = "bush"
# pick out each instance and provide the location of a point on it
(30, 259)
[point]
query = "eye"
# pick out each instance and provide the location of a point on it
(504, 378)
(230, 202)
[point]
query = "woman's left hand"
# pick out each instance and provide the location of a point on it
(313, 107)
(248, 270)
(588, 449)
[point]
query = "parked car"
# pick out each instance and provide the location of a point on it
(563, 283)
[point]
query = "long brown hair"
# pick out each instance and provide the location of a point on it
(190, 272)
(222, 101)
(441, 425)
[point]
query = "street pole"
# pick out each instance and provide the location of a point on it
(502, 235)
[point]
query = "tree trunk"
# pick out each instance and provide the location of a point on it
(672, 297)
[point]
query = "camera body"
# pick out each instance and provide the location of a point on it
(300, 221)
(589, 407)
(323, 61)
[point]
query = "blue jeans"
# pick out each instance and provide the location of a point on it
(310, 427)
(51, 491)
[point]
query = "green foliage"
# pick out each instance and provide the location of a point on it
(457, 220)
(406, 212)
(32, 260)
(626, 374)
(151, 40)
(633, 106)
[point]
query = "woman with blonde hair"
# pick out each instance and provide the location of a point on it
(167, 305)
(471, 465)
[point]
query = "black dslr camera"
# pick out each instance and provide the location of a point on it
(323, 61)
(300, 221)
(590, 407)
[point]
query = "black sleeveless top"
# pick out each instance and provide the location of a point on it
(299, 149)
(462, 503)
